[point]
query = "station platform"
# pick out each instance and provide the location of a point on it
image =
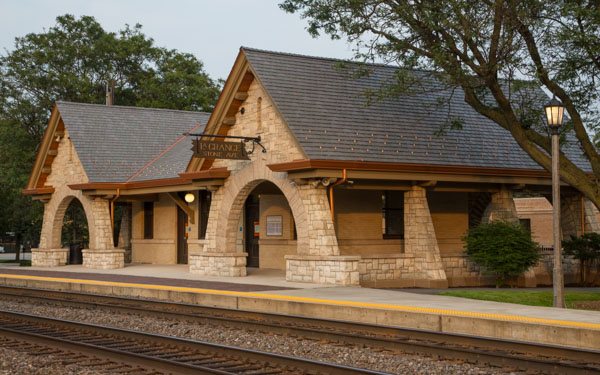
(267, 291)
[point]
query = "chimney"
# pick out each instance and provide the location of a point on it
(110, 92)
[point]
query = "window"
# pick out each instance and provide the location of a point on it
(526, 223)
(392, 206)
(275, 225)
(203, 211)
(148, 220)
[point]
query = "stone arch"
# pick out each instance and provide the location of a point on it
(54, 213)
(224, 217)
(101, 252)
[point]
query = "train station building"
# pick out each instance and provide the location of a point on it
(312, 181)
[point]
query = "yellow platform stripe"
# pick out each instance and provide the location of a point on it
(515, 318)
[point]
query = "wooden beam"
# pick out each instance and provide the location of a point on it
(229, 121)
(46, 170)
(52, 152)
(241, 96)
(428, 183)
(183, 205)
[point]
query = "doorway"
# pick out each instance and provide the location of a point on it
(252, 225)
(182, 235)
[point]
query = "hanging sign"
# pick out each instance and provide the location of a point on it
(219, 150)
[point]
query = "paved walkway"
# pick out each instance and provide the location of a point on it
(274, 282)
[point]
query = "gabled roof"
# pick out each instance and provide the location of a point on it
(122, 144)
(325, 109)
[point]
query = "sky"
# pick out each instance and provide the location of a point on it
(212, 30)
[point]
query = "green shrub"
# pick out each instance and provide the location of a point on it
(502, 249)
(586, 248)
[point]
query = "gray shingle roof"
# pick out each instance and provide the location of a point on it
(325, 109)
(115, 142)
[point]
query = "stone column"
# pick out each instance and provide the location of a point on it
(49, 252)
(124, 241)
(502, 207)
(591, 220)
(102, 253)
(420, 240)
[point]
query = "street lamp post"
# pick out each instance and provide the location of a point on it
(554, 115)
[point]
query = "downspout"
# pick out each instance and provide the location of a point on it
(339, 182)
(112, 210)
(582, 215)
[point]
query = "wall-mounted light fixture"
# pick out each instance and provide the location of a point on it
(189, 197)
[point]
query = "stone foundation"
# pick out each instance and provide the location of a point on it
(394, 271)
(218, 264)
(331, 270)
(49, 257)
(104, 259)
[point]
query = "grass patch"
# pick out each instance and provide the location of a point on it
(522, 297)
(22, 263)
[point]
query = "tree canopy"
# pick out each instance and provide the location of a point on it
(497, 51)
(72, 61)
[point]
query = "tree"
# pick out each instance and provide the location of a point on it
(72, 61)
(585, 248)
(482, 47)
(501, 248)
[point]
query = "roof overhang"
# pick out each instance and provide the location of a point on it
(208, 179)
(310, 168)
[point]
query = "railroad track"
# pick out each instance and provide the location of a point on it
(546, 359)
(157, 354)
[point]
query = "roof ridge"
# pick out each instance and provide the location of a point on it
(328, 59)
(129, 107)
(162, 153)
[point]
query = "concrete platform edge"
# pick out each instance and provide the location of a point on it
(578, 335)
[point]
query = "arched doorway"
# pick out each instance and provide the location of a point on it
(268, 226)
(74, 231)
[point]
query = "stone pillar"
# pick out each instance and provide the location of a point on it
(502, 207)
(49, 252)
(218, 264)
(102, 253)
(124, 241)
(591, 220)
(420, 240)
(570, 215)
(322, 240)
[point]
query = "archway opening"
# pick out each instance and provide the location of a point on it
(75, 232)
(267, 228)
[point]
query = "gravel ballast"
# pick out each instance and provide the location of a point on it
(364, 357)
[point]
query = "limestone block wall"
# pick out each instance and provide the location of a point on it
(218, 264)
(331, 270)
(109, 259)
(67, 169)
(502, 207)
(49, 257)
(420, 239)
(388, 270)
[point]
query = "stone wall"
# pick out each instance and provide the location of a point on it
(420, 239)
(388, 270)
(331, 270)
(67, 169)
(218, 264)
(104, 259)
(49, 257)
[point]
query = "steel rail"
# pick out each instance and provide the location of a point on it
(159, 352)
(531, 356)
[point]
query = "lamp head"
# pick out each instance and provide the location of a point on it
(189, 197)
(554, 114)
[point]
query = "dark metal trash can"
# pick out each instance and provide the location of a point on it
(75, 254)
